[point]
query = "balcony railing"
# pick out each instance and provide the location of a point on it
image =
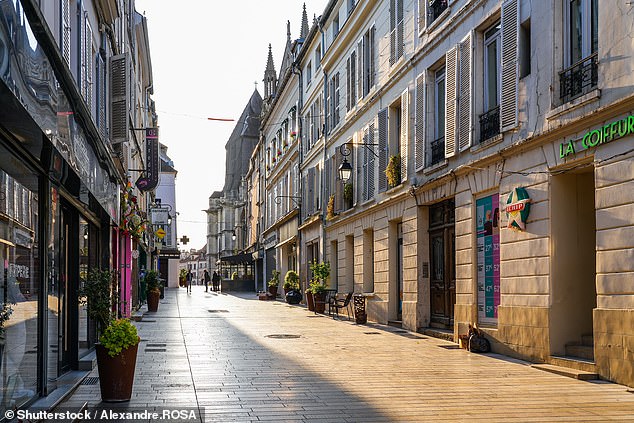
(437, 150)
(579, 79)
(490, 124)
(435, 9)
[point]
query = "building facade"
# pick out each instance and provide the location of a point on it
(489, 145)
(66, 184)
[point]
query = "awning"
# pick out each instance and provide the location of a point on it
(246, 258)
(286, 241)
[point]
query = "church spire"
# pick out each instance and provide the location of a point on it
(304, 29)
(270, 77)
(288, 31)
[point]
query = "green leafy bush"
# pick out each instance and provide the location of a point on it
(275, 278)
(291, 280)
(152, 282)
(393, 171)
(348, 191)
(119, 335)
(97, 295)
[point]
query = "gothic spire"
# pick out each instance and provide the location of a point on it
(304, 30)
(270, 77)
(288, 31)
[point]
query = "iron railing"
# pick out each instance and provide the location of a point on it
(579, 79)
(437, 150)
(435, 9)
(490, 124)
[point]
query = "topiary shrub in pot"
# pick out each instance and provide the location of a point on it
(274, 282)
(291, 281)
(153, 287)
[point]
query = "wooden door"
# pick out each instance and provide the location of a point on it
(442, 259)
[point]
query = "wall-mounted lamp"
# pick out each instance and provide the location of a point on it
(233, 235)
(86, 233)
(345, 168)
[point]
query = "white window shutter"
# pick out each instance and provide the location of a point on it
(465, 109)
(510, 71)
(451, 73)
(404, 133)
(383, 149)
(360, 69)
(348, 84)
(365, 163)
(371, 153)
(66, 28)
(360, 175)
(422, 14)
(119, 98)
(419, 129)
(88, 64)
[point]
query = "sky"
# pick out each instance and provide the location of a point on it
(206, 56)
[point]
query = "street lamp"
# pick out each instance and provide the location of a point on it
(345, 168)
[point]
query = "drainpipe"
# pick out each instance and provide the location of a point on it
(325, 133)
(300, 101)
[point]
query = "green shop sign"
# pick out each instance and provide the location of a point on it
(609, 132)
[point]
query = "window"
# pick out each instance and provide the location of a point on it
(366, 154)
(309, 73)
(335, 26)
(333, 102)
(438, 143)
(351, 4)
(435, 8)
(581, 33)
(66, 30)
(367, 62)
(318, 57)
(351, 81)
(490, 119)
(396, 30)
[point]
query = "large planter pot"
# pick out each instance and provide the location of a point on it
(310, 302)
(116, 374)
(293, 296)
(153, 300)
(320, 302)
(273, 290)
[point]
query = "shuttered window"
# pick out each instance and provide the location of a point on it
(396, 30)
(88, 64)
(119, 98)
(510, 64)
(404, 141)
(419, 128)
(66, 30)
(451, 73)
(383, 148)
(465, 94)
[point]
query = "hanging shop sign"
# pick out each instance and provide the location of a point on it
(160, 233)
(608, 132)
(149, 180)
(517, 208)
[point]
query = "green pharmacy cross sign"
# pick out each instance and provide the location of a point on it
(608, 132)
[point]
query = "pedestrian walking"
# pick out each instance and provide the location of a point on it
(207, 279)
(189, 281)
(215, 280)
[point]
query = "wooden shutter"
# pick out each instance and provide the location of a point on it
(422, 14)
(66, 29)
(304, 191)
(383, 151)
(371, 167)
(392, 31)
(360, 176)
(404, 133)
(328, 106)
(364, 157)
(400, 39)
(88, 64)
(101, 95)
(465, 114)
(353, 79)
(419, 129)
(451, 71)
(295, 193)
(119, 98)
(371, 59)
(348, 84)
(360, 91)
(311, 190)
(510, 65)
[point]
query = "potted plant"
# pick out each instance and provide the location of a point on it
(153, 287)
(119, 341)
(116, 359)
(274, 282)
(291, 281)
(182, 278)
(310, 300)
(330, 208)
(393, 170)
(320, 271)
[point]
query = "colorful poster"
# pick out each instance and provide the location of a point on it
(488, 258)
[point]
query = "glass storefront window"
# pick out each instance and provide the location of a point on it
(19, 282)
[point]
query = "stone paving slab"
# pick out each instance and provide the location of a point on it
(227, 364)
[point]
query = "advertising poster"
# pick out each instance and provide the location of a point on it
(488, 245)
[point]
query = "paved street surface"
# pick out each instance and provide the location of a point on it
(232, 357)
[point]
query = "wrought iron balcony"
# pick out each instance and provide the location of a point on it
(437, 150)
(435, 9)
(490, 124)
(579, 78)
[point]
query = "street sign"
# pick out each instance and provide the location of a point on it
(160, 233)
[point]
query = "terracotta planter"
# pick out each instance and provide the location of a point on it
(273, 291)
(310, 303)
(320, 302)
(153, 300)
(116, 374)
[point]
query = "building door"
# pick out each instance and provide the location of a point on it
(399, 271)
(67, 288)
(442, 259)
(573, 289)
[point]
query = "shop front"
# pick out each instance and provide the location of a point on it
(58, 201)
